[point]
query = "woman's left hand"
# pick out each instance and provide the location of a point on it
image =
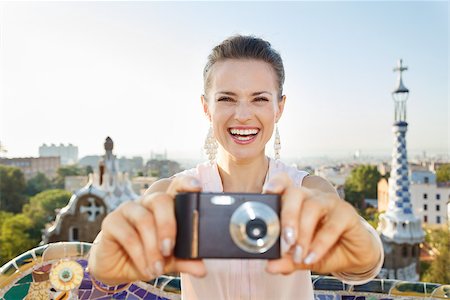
(325, 233)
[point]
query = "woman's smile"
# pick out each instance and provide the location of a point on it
(243, 135)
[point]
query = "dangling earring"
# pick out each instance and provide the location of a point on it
(277, 143)
(211, 145)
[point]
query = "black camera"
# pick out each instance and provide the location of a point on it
(227, 225)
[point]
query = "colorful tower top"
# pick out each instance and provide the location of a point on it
(399, 224)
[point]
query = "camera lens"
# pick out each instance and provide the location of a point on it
(256, 229)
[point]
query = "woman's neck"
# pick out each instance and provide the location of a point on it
(243, 176)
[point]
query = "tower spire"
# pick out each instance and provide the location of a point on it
(400, 94)
(400, 229)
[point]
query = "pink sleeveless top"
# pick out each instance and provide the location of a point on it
(245, 278)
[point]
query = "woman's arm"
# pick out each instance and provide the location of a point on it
(325, 233)
(137, 239)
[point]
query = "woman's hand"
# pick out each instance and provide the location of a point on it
(325, 233)
(137, 239)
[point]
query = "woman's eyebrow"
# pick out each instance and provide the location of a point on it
(234, 94)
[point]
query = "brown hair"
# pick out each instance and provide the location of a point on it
(246, 47)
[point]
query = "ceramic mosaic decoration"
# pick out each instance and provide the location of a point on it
(58, 271)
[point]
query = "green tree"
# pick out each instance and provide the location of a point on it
(15, 237)
(438, 271)
(37, 184)
(62, 172)
(371, 214)
(42, 206)
(443, 173)
(12, 189)
(361, 184)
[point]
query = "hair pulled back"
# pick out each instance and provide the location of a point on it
(245, 47)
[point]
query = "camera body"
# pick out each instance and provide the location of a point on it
(227, 225)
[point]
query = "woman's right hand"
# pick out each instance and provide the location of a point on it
(137, 239)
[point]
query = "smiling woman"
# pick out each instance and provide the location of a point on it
(242, 102)
(243, 99)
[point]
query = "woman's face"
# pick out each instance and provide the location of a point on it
(243, 106)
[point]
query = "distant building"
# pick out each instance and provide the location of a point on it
(162, 168)
(81, 219)
(31, 166)
(68, 154)
(383, 194)
(384, 168)
(90, 160)
(371, 202)
(131, 165)
(336, 175)
(429, 199)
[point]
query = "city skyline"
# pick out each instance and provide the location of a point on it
(78, 72)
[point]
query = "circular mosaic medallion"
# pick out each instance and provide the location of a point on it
(66, 275)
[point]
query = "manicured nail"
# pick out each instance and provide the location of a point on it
(149, 273)
(298, 254)
(289, 236)
(158, 267)
(166, 247)
(195, 183)
(310, 258)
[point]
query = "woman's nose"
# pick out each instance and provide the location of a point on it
(243, 112)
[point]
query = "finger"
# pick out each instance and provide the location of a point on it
(162, 206)
(183, 184)
(117, 228)
(282, 184)
(328, 234)
(311, 213)
(193, 267)
(277, 184)
(291, 203)
(143, 222)
(284, 265)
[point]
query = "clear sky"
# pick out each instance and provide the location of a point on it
(76, 72)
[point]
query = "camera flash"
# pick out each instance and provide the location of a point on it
(222, 200)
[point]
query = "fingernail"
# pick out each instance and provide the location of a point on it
(158, 267)
(289, 236)
(268, 187)
(310, 258)
(166, 247)
(298, 254)
(150, 274)
(195, 183)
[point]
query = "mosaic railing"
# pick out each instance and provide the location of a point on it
(58, 271)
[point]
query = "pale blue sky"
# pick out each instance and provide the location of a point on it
(78, 72)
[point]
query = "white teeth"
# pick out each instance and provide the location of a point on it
(244, 131)
(243, 138)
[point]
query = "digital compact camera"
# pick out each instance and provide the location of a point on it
(227, 225)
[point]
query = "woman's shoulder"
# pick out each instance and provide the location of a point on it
(196, 171)
(162, 184)
(294, 173)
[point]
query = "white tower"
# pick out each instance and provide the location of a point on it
(400, 230)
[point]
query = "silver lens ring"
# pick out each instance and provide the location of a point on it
(244, 215)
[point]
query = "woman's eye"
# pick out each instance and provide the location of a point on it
(261, 99)
(225, 99)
